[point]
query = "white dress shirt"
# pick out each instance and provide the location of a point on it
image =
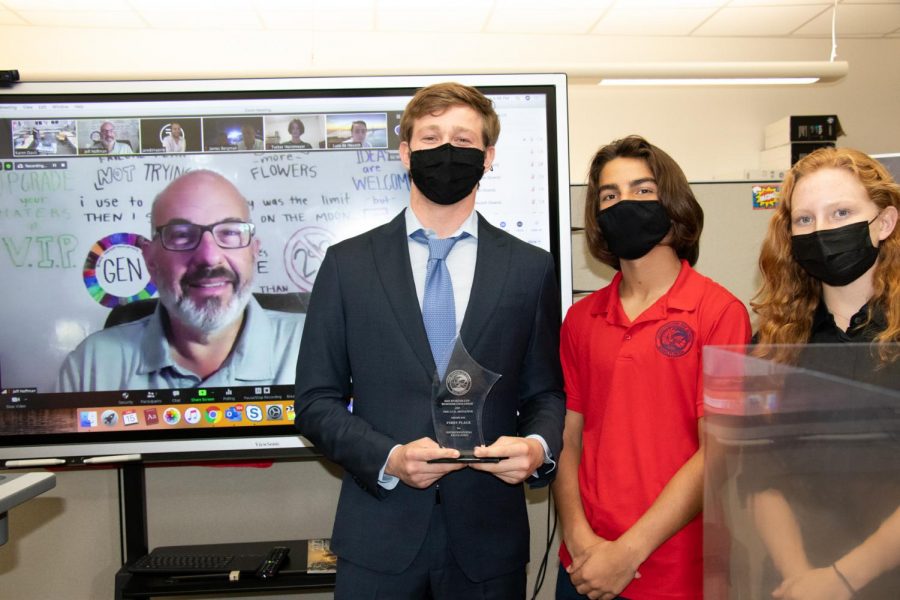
(461, 264)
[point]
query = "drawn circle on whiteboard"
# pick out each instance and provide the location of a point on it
(114, 271)
(303, 255)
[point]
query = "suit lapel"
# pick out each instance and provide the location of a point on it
(391, 256)
(488, 284)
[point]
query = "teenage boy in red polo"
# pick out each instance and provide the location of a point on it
(630, 484)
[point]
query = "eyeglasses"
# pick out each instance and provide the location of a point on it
(182, 237)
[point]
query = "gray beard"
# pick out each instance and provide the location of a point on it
(209, 317)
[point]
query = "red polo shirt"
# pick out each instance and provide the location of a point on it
(639, 388)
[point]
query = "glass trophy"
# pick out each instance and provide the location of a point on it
(457, 402)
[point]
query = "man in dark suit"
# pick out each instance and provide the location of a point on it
(406, 528)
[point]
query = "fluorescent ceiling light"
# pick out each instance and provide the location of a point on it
(716, 73)
(714, 81)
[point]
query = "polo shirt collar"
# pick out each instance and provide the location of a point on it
(823, 323)
(680, 297)
(822, 318)
(247, 360)
(684, 296)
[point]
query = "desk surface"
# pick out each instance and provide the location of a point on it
(292, 576)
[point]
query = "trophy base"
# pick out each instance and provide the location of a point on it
(468, 458)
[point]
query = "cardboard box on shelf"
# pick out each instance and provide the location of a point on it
(803, 128)
(783, 157)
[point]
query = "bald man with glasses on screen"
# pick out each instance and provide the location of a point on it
(207, 329)
(107, 142)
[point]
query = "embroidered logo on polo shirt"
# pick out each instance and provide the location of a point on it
(674, 339)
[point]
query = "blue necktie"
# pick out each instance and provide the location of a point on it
(438, 307)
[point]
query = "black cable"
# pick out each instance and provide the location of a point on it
(542, 569)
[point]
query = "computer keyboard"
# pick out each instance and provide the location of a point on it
(181, 563)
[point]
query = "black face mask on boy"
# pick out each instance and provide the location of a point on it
(448, 173)
(633, 227)
(836, 256)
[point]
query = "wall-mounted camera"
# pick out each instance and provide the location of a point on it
(7, 78)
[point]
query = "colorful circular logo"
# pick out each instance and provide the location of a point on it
(213, 414)
(192, 415)
(171, 416)
(674, 339)
(303, 255)
(114, 271)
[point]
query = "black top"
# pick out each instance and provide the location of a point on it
(825, 331)
(863, 366)
(840, 488)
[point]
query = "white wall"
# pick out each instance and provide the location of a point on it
(717, 132)
(711, 132)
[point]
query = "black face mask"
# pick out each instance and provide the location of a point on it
(633, 227)
(448, 173)
(836, 256)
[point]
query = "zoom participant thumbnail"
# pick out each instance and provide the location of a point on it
(171, 135)
(231, 134)
(108, 136)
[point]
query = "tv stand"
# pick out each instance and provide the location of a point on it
(133, 498)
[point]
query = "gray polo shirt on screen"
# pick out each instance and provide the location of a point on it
(137, 356)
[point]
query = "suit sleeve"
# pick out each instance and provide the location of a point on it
(324, 390)
(542, 401)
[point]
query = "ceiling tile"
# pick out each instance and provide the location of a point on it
(557, 5)
(202, 20)
(673, 3)
(621, 20)
(874, 20)
(823, 3)
(281, 5)
(759, 20)
(466, 16)
(293, 19)
(546, 21)
(10, 18)
(702, 18)
(310, 5)
(82, 19)
(189, 6)
(343, 20)
(479, 6)
(870, 1)
(67, 5)
(316, 15)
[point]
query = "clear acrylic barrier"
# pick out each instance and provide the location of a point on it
(802, 472)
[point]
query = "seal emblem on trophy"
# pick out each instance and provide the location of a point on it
(459, 382)
(457, 403)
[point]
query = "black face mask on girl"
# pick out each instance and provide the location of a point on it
(633, 227)
(836, 256)
(448, 173)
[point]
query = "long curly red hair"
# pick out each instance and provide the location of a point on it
(788, 297)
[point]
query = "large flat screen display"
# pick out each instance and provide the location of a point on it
(317, 161)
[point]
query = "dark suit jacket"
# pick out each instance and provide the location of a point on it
(364, 337)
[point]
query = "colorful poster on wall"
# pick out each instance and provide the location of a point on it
(765, 196)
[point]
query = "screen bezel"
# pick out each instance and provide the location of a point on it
(278, 440)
